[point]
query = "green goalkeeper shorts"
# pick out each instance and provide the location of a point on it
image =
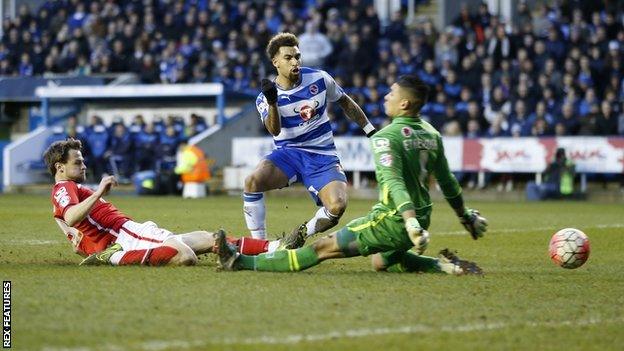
(381, 230)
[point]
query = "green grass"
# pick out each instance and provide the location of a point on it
(523, 303)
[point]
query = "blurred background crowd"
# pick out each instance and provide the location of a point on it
(124, 150)
(558, 70)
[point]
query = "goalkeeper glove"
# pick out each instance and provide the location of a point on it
(419, 236)
(423, 242)
(474, 223)
(269, 90)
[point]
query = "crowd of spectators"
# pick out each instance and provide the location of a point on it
(122, 149)
(557, 70)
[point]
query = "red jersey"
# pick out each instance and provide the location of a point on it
(100, 226)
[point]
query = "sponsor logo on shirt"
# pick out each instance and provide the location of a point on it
(385, 160)
(307, 109)
(62, 197)
(381, 145)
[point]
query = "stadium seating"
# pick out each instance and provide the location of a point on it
(568, 58)
(555, 71)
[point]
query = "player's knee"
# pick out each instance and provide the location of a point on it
(337, 205)
(378, 263)
(184, 255)
(207, 237)
(187, 259)
(253, 182)
(326, 247)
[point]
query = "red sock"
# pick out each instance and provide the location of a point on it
(161, 255)
(133, 257)
(251, 246)
(154, 257)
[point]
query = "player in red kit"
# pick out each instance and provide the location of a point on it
(104, 235)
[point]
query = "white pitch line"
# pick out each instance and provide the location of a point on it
(30, 242)
(158, 345)
(520, 230)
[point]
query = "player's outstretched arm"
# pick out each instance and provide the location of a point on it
(355, 113)
(272, 123)
(471, 219)
(78, 212)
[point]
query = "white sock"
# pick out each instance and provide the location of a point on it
(116, 257)
(254, 210)
(324, 217)
(273, 246)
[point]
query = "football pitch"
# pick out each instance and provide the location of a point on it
(524, 302)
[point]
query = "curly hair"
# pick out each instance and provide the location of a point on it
(59, 152)
(279, 40)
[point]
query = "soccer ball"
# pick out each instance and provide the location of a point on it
(569, 248)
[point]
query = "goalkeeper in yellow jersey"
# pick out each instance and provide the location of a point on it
(395, 231)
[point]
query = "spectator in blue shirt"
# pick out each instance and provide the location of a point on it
(137, 125)
(25, 67)
(584, 107)
(540, 128)
(451, 87)
(554, 45)
(499, 127)
(569, 119)
(519, 119)
(542, 113)
(429, 75)
(167, 149)
(159, 125)
(197, 125)
(240, 81)
(473, 130)
(464, 98)
(98, 143)
(78, 18)
(120, 152)
(146, 144)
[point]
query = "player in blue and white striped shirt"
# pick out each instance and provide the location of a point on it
(293, 108)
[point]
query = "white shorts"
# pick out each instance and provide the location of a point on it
(141, 236)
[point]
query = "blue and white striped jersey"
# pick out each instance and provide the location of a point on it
(303, 112)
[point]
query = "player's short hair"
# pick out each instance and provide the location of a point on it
(279, 40)
(417, 89)
(59, 152)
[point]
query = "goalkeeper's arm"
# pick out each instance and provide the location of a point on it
(474, 223)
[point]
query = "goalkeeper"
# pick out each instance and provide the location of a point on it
(406, 152)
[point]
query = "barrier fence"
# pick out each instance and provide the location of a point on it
(499, 155)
